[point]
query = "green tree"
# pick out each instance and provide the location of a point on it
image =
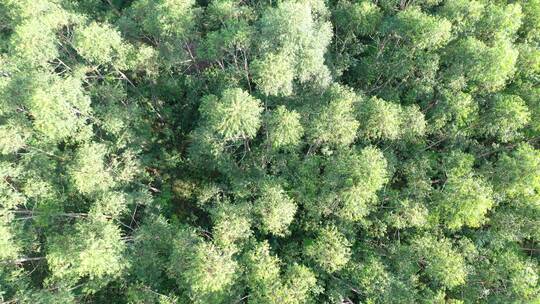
(93, 251)
(88, 172)
(486, 68)
(351, 183)
(235, 116)
(293, 36)
(299, 151)
(91, 44)
(465, 197)
(334, 124)
(508, 114)
(380, 119)
(284, 128)
(205, 270)
(275, 210)
(330, 249)
(438, 261)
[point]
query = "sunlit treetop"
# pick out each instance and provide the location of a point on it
(236, 115)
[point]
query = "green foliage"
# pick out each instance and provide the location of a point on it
(512, 274)
(165, 24)
(438, 261)
(59, 108)
(358, 19)
(413, 123)
(465, 197)
(419, 29)
(94, 250)
(165, 18)
(263, 273)
(9, 250)
(335, 124)
(88, 172)
(150, 251)
(508, 114)
(517, 174)
(380, 119)
(371, 278)
(267, 285)
(299, 286)
(235, 116)
(232, 225)
(274, 74)
(499, 21)
(205, 270)
(531, 15)
(284, 128)
(456, 112)
(294, 36)
(13, 137)
(110, 204)
(352, 181)
(464, 14)
(289, 152)
(330, 250)
(98, 44)
(486, 68)
(275, 210)
(34, 42)
(408, 214)
(464, 201)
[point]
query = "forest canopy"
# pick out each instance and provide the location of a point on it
(269, 152)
